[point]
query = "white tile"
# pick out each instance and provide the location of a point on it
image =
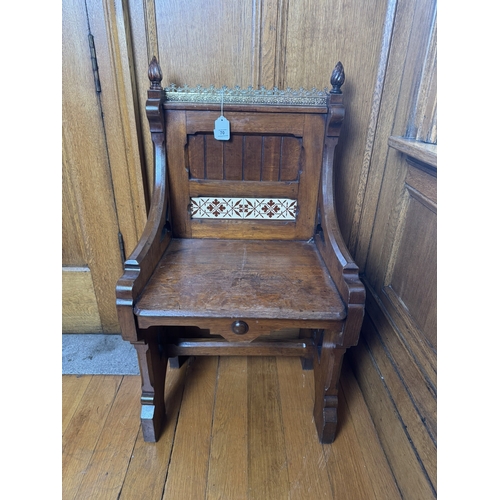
(243, 208)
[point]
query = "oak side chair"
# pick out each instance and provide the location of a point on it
(242, 240)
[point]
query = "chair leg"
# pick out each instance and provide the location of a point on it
(307, 363)
(327, 367)
(153, 371)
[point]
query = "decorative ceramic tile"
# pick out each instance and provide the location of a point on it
(243, 208)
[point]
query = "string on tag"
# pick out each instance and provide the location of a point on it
(222, 126)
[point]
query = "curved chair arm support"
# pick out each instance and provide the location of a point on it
(157, 232)
(329, 240)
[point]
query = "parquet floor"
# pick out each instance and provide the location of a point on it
(238, 428)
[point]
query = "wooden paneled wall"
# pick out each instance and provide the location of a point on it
(393, 239)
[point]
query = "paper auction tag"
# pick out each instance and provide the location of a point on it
(221, 130)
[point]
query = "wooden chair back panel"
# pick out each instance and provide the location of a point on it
(248, 122)
(271, 159)
(246, 157)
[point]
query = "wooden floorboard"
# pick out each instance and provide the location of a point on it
(377, 470)
(307, 474)
(237, 428)
(84, 429)
(405, 465)
(108, 465)
(188, 470)
(149, 461)
(267, 464)
(73, 388)
(229, 446)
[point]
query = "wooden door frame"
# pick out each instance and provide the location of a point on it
(102, 160)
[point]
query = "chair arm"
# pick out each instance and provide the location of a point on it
(151, 246)
(157, 233)
(154, 240)
(331, 245)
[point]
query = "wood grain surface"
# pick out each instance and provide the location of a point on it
(249, 279)
(87, 163)
(268, 472)
(409, 471)
(73, 389)
(79, 303)
(84, 429)
(229, 451)
(73, 246)
(190, 455)
(393, 237)
(149, 463)
(108, 24)
(106, 471)
(204, 42)
(241, 429)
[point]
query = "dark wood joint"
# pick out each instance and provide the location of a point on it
(335, 117)
(156, 97)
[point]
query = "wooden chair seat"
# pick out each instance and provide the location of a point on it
(242, 253)
(274, 282)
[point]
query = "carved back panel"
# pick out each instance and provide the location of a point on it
(246, 157)
(263, 182)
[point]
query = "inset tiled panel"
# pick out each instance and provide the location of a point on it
(243, 208)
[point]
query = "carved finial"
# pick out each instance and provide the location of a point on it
(154, 74)
(337, 78)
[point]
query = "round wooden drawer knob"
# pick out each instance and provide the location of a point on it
(239, 327)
